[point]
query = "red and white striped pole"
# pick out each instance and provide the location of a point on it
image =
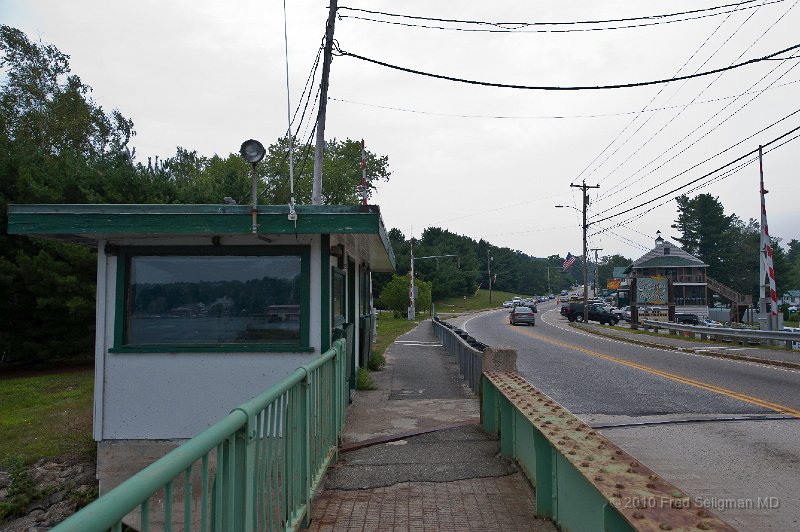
(363, 173)
(766, 256)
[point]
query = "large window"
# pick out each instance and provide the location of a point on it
(215, 297)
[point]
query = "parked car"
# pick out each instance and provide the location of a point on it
(597, 313)
(795, 345)
(687, 319)
(522, 315)
(710, 323)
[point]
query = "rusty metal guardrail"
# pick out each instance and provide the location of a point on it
(583, 481)
(467, 350)
(724, 333)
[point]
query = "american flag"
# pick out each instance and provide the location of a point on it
(568, 262)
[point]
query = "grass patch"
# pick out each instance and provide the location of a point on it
(46, 415)
(477, 301)
(389, 328)
(365, 380)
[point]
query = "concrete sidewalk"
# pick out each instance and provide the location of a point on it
(415, 458)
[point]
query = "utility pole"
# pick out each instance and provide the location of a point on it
(549, 288)
(596, 269)
(584, 188)
(412, 309)
(319, 147)
(489, 268)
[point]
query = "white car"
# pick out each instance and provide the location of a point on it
(508, 304)
(710, 323)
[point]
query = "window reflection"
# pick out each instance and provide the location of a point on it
(213, 300)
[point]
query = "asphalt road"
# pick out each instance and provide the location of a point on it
(728, 432)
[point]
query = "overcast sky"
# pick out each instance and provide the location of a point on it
(484, 162)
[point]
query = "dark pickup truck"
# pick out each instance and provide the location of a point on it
(687, 319)
(596, 313)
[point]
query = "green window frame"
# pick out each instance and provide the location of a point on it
(338, 296)
(124, 256)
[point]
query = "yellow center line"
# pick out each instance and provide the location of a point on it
(677, 378)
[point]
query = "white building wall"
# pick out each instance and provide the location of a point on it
(177, 395)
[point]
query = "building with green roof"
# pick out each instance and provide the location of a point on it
(202, 307)
(687, 273)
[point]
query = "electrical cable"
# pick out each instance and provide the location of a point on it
(654, 135)
(662, 89)
(309, 81)
(709, 174)
(554, 117)
(570, 30)
(661, 183)
(344, 53)
(561, 23)
(728, 173)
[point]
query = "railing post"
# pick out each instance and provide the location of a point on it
(305, 447)
(489, 409)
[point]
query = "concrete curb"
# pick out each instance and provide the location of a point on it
(717, 354)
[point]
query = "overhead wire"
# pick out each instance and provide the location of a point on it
(608, 192)
(662, 182)
(548, 117)
(543, 23)
(344, 53)
(704, 176)
(662, 89)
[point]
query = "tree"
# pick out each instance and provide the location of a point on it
(394, 295)
(706, 232)
(606, 268)
(56, 145)
(341, 172)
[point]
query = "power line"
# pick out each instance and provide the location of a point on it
(695, 142)
(654, 135)
(344, 53)
(726, 174)
(773, 141)
(559, 23)
(551, 117)
(662, 89)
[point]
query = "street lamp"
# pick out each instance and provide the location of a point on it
(584, 187)
(253, 151)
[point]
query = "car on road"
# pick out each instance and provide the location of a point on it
(597, 313)
(508, 304)
(522, 315)
(686, 318)
(710, 323)
(564, 293)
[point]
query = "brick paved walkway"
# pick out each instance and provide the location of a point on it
(495, 503)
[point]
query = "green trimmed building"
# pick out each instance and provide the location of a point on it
(687, 272)
(197, 313)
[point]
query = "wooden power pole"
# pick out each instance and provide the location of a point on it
(319, 147)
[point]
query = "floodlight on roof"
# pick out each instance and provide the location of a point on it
(252, 151)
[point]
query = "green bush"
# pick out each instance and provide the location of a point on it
(365, 381)
(21, 490)
(376, 362)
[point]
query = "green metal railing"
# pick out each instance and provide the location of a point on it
(583, 481)
(256, 469)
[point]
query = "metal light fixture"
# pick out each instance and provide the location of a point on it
(252, 151)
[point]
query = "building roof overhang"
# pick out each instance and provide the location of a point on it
(86, 224)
